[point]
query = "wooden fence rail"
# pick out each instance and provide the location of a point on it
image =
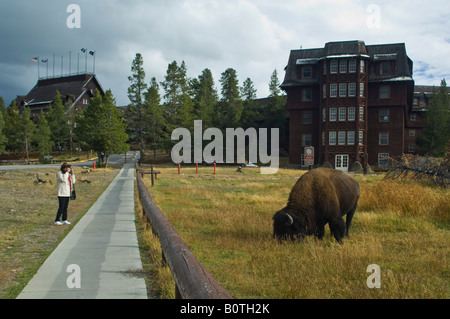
(192, 280)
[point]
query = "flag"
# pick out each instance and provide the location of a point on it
(91, 52)
(83, 50)
(34, 59)
(44, 61)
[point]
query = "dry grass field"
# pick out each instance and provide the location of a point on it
(226, 221)
(27, 212)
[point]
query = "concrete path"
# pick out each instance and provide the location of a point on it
(99, 258)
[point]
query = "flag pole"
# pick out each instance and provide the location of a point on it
(78, 64)
(85, 64)
(53, 65)
(39, 76)
(70, 62)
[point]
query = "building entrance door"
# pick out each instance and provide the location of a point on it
(341, 163)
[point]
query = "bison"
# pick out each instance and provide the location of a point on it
(321, 196)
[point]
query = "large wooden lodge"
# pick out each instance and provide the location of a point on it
(353, 103)
(74, 89)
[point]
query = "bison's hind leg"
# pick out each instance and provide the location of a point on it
(337, 227)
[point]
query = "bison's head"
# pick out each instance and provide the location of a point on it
(287, 226)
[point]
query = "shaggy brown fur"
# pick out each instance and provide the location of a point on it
(319, 197)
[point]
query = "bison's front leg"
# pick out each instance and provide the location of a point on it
(320, 232)
(337, 227)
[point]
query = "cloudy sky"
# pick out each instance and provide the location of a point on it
(252, 36)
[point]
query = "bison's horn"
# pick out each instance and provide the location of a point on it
(291, 220)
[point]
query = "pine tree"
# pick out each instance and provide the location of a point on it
(12, 128)
(231, 103)
(58, 122)
(135, 112)
(2, 106)
(88, 121)
(178, 105)
(27, 128)
(42, 136)
(205, 98)
(100, 126)
(437, 128)
(3, 138)
(138, 86)
(250, 110)
(276, 112)
(155, 132)
(113, 128)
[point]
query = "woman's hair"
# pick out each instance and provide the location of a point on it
(64, 165)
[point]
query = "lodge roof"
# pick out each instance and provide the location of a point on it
(331, 50)
(70, 87)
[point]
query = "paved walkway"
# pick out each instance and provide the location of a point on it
(99, 258)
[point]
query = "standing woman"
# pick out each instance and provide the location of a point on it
(65, 179)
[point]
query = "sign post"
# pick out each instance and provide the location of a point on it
(309, 156)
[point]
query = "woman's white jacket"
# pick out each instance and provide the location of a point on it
(63, 183)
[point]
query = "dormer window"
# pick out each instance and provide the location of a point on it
(307, 71)
(385, 67)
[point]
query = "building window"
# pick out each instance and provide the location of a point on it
(385, 92)
(324, 91)
(361, 137)
(361, 66)
(85, 101)
(351, 113)
(413, 116)
(343, 66)
(324, 67)
(306, 140)
(306, 95)
(307, 71)
(352, 89)
(341, 138)
(361, 113)
(361, 89)
(383, 159)
(416, 101)
(352, 66)
(324, 115)
(334, 66)
(307, 117)
(351, 137)
(332, 138)
(332, 114)
(333, 90)
(342, 113)
(383, 138)
(385, 68)
(383, 115)
(343, 90)
(411, 148)
(412, 132)
(323, 139)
